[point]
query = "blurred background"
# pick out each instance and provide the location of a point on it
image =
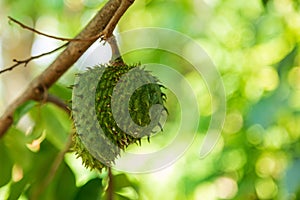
(255, 47)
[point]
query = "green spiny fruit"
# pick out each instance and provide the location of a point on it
(113, 107)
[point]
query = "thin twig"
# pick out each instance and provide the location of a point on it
(53, 170)
(57, 101)
(62, 63)
(106, 34)
(52, 36)
(26, 61)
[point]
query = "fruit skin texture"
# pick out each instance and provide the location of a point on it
(113, 107)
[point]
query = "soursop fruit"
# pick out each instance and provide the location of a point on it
(113, 107)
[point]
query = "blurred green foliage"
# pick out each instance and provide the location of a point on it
(255, 46)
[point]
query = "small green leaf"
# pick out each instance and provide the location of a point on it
(17, 188)
(23, 109)
(124, 187)
(42, 163)
(121, 181)
(127, 193)
(121, 197)
(66, 184)
(5, 166)
(55, 122)
(91, 190)
(61, 91)
(15, 142)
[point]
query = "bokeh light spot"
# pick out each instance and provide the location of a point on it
(233, 160)
(254, 134)
(226, 187)
(294, 78)
(233, 122)
(266, 188)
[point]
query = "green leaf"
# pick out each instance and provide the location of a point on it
(66, 184)
(127, 193)
(55, 122)
(23, 109)
(124, 188)
(55, 127)
(121, 181)
(42, 163)
(61, 91)
(121, 197)
(15, 142)
(5, 166)
(17, 188)
(62, 186)
(91, 190)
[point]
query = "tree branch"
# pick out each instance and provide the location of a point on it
(107, 32)
(62, 63)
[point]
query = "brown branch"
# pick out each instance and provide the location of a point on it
(26, 61)
(62, 63)
(107, 32)
(52, 36)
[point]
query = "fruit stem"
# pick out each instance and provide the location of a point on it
(116, 58)
(110, 188)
